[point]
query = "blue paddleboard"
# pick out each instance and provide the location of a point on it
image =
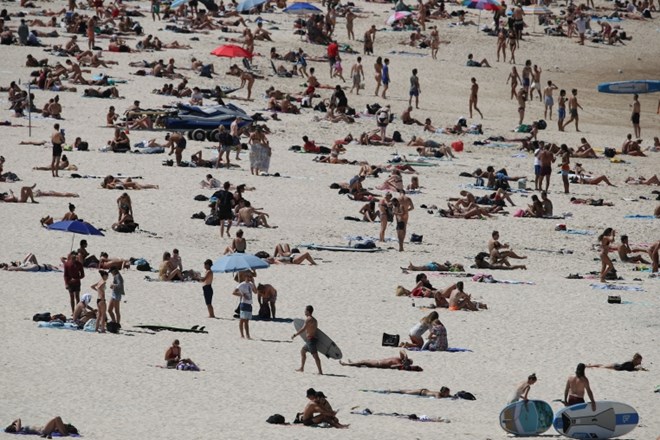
(630, 87)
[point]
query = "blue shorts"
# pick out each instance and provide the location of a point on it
(561, 113)
(414, 92)
(385, 81)
(525, 82)
(537, 170)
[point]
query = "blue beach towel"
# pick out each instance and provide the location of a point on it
(640, 217)
(616, 287)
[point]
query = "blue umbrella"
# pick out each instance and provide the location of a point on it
(302, 8)
(75, 227)
(177, 3)
(247, 5)
(238, 262)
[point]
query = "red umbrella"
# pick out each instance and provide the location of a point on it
(231, 51)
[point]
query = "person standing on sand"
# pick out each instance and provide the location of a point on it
(548, 99)
(573, 106)
(310, 328)
(378, 73)
(245, 290)
(386, 216)
(116, 292)
(606, 239)
(565, 166)
(99, 288)
(224, 208)
(73, 273)
(575, 388)
(636, 109)
(207, 287)
(474, 97)
(546, 158)
(522, 102)
(523, 389)
(415, 89)
(385, 77)
(57, 139)
(405, 206)
(561, 110)
(357, 75)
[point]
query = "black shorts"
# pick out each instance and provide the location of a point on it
(332, 61)
(57, 150)
(73, 287)
(225, 215)
(310, 345)
(635, 118)
(400, 226)
(208, 294)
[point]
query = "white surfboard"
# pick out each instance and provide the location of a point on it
(325, 345)
(611, 419)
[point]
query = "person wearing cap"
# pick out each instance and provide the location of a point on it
(318, 410)
(523, 389)
(73, 273)
(83, 312)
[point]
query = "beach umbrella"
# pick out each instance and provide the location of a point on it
(247, 5)
(399, 15)
(302, 8)
(238, 262)
(536, 10)
(75, 227)
(231, 51)
(177, 3)
(481, 5)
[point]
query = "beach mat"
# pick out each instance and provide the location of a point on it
(601, 286)
(640, 217)
(321, 247)
(158, 328)
(449, 350)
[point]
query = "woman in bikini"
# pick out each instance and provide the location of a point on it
(424, 392)
(111, 182)
(514, 77)
(402, 362)
(238, 244)
(173, 354)
(99, 287)
(378, 68)
(124, 204)
(606, 239)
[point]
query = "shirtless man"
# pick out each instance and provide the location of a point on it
(548, 99)
(576, 387)
(310, 327)
(407, 119)
(561, 110)
(546, 159)
(573, 106)
(499, 251)
(176, 142)
(357, 74)
(527, 76)
(536, 83)
(636, 109)
(251, 217)
(474, 91)
(400, 362)
(315, 413)
(57, 139)
(625, 250)
(523, 389)
(405, 206)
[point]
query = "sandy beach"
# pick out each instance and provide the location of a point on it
(109, 386)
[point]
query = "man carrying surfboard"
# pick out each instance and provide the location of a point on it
(575, 388)
(310, 327)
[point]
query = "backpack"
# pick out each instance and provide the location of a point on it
(212, 220)
(264, 310)
(142, 265)
(276, 419)
(390, 340)
(396, 137)
(609, 152)
(113, 327)
(541, 125)
(414, 238)
(41, 317)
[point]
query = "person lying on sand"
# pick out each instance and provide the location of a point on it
(26, 193)
(105, 262)
(503, 263)
(633, 365)
(582, 178)
(653, 180)
(436, 267)
(63, 165)
(55, 425)
(444, 392)
(493, 199)
(472, 211)
(28, 264)
(591, 202)
(625, 250)
(111, 182)
(402, 362)
(291, 259)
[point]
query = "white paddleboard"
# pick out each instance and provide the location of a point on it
(611, 419)
(325, 345)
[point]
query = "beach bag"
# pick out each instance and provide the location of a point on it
(83, 146)
(201, 198)
(390, 340)
(41, 317)
(541, 125)
(90, 326)
(609, 152)
(457, 146)
(276, 419)
(142, 265)
(367, 244)
(396, 137)
(611, 275)
(402, 291)
(113, 327)
(414, 238)
(212, 220)
(464, 395)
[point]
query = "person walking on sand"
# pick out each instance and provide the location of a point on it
(415, 89)
(310, 328)
(474, 98)
(116, 292)
(378, 73)
(207, 287)
(357, 75)
(73, 273)
(523, 389)
(636, 109)
(561, 110)
(245, 290)
(548, 99)
(606, 239)
(385, 77)
(575, 388)
(573, 106)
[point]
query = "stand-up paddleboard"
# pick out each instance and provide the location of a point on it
(325, 345)
(630, 87)
(611, 419)
(526, 418)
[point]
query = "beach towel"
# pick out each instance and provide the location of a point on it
(601, 286)
(58, 325)
(449, 350)
(641, 217)
(413, 417)
(157, 328)
(320, 247)
(487, 278)
(578, 232)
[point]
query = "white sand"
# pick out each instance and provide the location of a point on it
(108, 386)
